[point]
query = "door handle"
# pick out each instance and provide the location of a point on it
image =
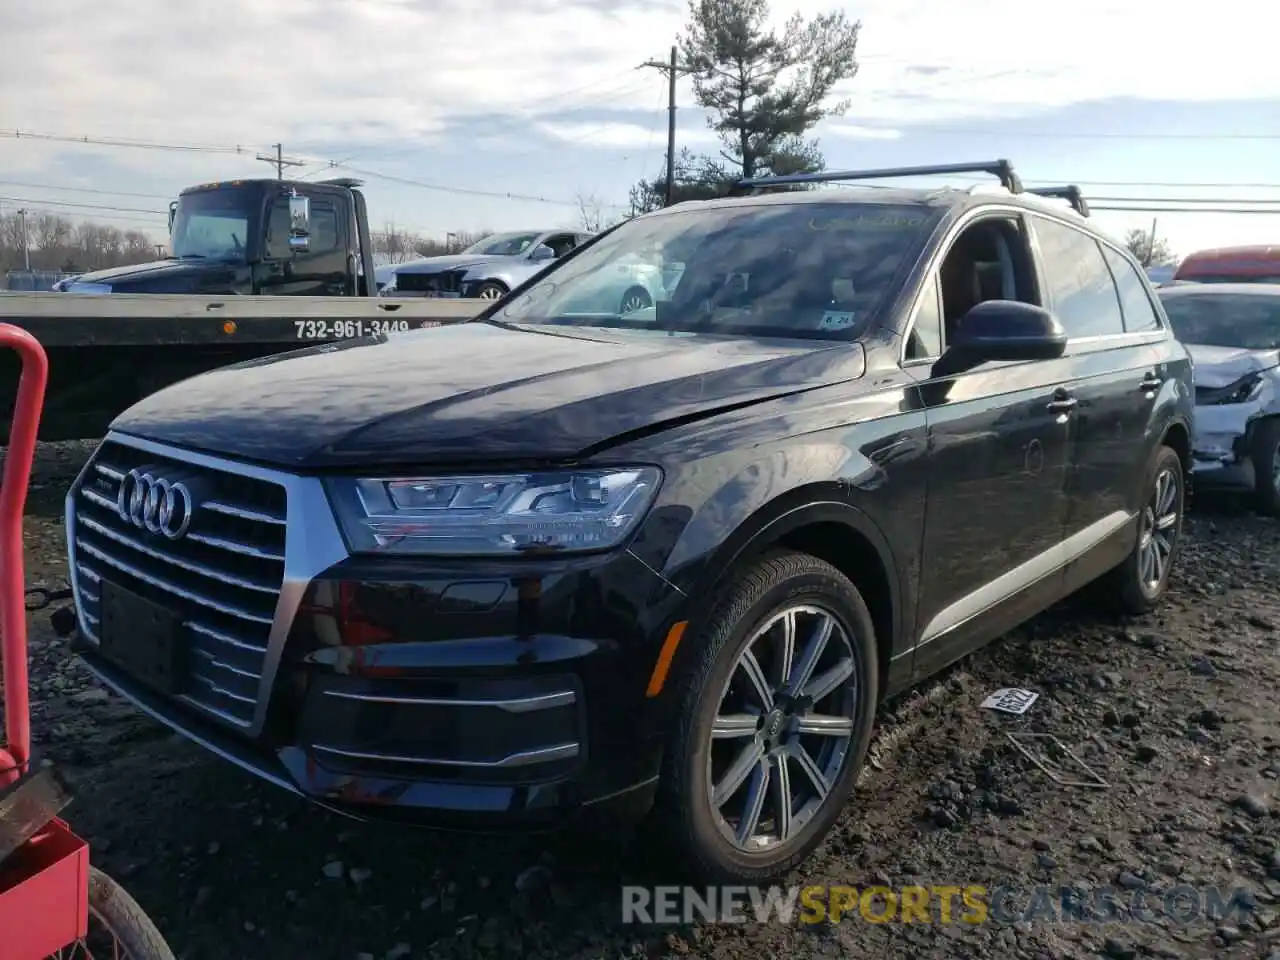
(1061, 405)
(1150, 382)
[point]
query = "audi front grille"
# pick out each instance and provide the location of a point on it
(208, 544)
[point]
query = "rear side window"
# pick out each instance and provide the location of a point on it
(1079, 283)
(1139, 314)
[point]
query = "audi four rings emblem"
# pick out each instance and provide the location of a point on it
(155, 504)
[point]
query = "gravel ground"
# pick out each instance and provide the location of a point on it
(1176, 711)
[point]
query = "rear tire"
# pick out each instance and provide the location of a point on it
(1139, 584)
(1265, 455)
(808, 748)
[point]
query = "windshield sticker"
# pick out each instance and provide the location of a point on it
(836, 320)
(862, 222)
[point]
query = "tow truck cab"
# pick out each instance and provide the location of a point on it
(256, 238)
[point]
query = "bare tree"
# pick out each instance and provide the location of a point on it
(1147, 253)
(590, 213)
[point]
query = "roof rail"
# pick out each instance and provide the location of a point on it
(1001, 169)
(1069, 193)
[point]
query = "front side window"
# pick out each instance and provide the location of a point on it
(809, 269)
(324, 237)
(1238, 320)
(1083, 294)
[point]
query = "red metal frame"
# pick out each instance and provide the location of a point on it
(13, 502)
(44, 886)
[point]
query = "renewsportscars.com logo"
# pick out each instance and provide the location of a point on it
(971, 904)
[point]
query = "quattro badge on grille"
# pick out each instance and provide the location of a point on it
(155, 504)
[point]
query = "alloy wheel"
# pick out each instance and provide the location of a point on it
(634, 302)
(1158, 532)
(784, 728)
(490, 293)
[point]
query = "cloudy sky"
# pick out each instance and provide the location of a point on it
(471, 114)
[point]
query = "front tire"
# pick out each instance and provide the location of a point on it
(634, 300)
(1139, 584)
(1266, 467)
(491, 290)
(775, 714)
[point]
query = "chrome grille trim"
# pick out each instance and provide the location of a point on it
(236, 623)
(562, 751)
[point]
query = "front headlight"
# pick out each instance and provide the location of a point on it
(1244, 390)
(498, 515)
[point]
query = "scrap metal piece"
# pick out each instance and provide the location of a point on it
(27, 806)
(1096, 782)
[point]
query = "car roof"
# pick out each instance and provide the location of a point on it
(1210, 289)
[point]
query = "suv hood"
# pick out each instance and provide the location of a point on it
(475, 392)
(162, 276)
(1222, 366)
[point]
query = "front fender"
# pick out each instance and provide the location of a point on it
(863, 468)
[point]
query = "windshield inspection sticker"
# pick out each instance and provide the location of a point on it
(835, 320)
(1011, 700)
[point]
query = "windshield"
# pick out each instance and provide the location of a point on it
(807, 269)
(214, 224)
(1226, 320)
(504, 244)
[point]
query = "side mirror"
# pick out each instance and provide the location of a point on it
(173, 214)
(299, 223)
(1004, 330)
(542, 253)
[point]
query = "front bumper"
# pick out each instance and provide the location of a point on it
(1221, 450)
(467, 695)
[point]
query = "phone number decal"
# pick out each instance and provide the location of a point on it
(347, 329)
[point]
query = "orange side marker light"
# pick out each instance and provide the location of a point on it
(665, 655)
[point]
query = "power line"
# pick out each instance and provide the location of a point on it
(124, 142)
(93, 190)
(1215, 201)
(83, 206)
(1154, 183)
(1078, 134)
(123, 217)
(465, 191)
(1136, 209)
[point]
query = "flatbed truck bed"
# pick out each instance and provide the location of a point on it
(107, 352)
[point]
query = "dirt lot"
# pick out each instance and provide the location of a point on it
(1178, 712)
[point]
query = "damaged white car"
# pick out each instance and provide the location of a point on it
(1232, 331)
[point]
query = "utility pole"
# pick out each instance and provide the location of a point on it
(26, 243)
(671, 69)
(1151, 244)
(279, 162)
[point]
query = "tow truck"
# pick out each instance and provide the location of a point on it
(259, 267)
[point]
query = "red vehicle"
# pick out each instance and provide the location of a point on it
(1258, 264)
(52, 902)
